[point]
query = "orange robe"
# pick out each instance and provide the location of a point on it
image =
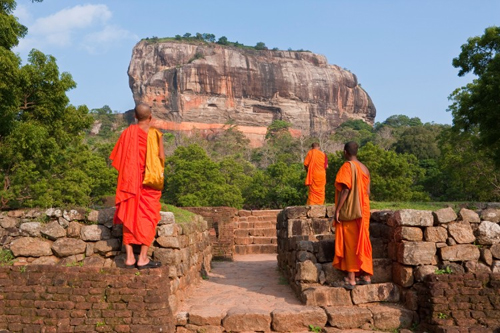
(316, 163)
(137, 206)
(353, 249)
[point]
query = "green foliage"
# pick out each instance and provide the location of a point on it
(182, 216)
(393, 176)
(420, 141)
(315, 329)
(467, 174)
(197, 55)
(43, 161)
(475, 107)
(207, 38)
(260, 46)
(354, 130)
(446, 270)
(6, 258)
(193, 179)
(442, 315)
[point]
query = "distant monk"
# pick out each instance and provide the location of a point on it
(353, 250)
(315, 164)
(137, 206)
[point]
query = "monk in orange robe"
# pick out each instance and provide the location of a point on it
(137, 206)
(353, 249)
(315, 164)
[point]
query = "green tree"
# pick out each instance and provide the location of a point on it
(260, 46)
(223, 41)
(193, 179)
(475, 107)
(467, 174)
(278, 186)
(43, 161)
(420, 141)
(354, 130)
(10, 33)
(394, 177)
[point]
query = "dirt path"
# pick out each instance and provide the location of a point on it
(251, 281)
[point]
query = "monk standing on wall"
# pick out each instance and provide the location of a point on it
(353, 249)
(137, 206)
(316, 164)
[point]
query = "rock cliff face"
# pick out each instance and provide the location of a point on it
(205, 86)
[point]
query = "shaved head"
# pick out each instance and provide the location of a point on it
(315, 145)
(351, 148)
(142, 112)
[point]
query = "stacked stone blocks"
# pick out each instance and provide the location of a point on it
(88, 239)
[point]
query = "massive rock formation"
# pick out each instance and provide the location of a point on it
(205, 86)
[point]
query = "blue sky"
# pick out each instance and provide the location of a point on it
(401, 51)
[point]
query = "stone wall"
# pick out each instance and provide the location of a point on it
(408, 246)
(221, 229)
(43, 298)
(470, 300)
(88, 239)
(235, 231)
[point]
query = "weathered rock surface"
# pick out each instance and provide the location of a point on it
(391, 317)
(422, 271)
(203, 315)
(411, 218)
(491, 214)
(416, 253)
(445, 215)
(244, 319)
(104, 246)
(31, 228)
(53, 231)
(346, 317)
(460, 252)
(461, 232)
(298, 319)
(94, 233)
(326, 296)
(30, 247)
(65, 247)
(380, 292)
(204, 86)
(488, 233)
(436, 234)
(408, 233)
(470, 216)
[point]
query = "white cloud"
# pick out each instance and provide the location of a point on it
(84, 25)
(99, 42)
(23, 14)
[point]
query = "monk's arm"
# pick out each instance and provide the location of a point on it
(342, 198)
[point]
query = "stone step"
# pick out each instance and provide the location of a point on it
(255, 240)
(361, 294)
(255, 248)
(295, 319)
(375, 316)
(262, 232)
(251, 225)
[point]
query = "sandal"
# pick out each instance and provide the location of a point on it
(130, 266)
(363, 282)
(344, 284)
(150, 264)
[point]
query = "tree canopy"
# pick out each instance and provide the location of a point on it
(476, 107)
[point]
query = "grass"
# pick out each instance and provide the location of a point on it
(181, 215)
(6, 258)
(432, 206)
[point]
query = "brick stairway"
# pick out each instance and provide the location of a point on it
(255, 232)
